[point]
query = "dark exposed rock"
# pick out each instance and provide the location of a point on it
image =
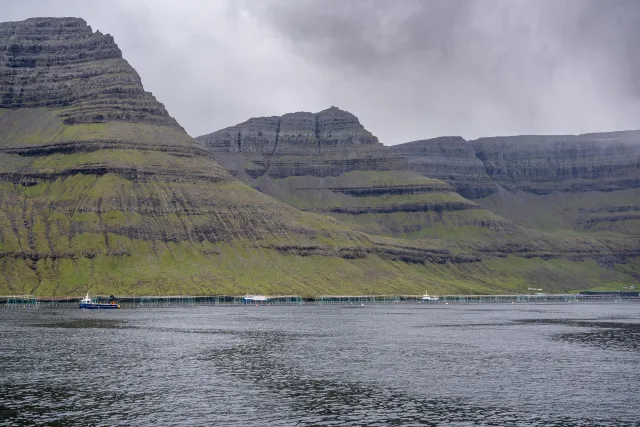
(534, 164)
(291, 146)
(451, 159)
(328, 143)
(324, 132)
(386, 190)
(409, 207)
(62, 63)
(547, 163)
(268, 152)
(66, 147)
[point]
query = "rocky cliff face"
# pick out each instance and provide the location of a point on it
(329, 163)
(451, 159)
(93, 166)
(533, 164)
(444, 188)
(544, 164)
(300, 144)
(327, 143)
(328, 131)
(585, 183)
(62, 63)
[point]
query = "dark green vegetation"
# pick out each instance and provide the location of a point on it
(101, 190)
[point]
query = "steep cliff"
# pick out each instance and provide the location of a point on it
(329, 163)
(451, 159)
(61, 63)
(544, 164)
(327, 143)
(584, 183)
(327, 131)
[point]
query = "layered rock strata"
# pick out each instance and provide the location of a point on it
(327, 143)
(282, 147)
(544, 164)
(328, 162)
(451, 159)
(62, 63)
(324, 132)
(425, 189)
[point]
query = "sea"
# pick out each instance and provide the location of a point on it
(314, 365)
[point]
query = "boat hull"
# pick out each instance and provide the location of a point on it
(92, 306)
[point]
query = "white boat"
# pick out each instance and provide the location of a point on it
(429, 298)
(249, 299)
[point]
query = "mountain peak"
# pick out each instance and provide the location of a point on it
(329, 130)
(61, 25)
(62, 63)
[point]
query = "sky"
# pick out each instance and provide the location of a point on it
(409, 69)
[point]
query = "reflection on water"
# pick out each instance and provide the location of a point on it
(82, 324)
(606, 335)
(376, 366)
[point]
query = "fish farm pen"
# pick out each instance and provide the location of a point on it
(452, 299)
(18, 301)
(150, 301)
(31, 301)
(182, 300)
(365, 299)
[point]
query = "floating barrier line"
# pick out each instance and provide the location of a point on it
(31, 301)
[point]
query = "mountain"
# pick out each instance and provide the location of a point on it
(579, 183)
(101, 189)
(329, 163)
(486, 197)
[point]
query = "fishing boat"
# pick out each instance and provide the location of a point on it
(88, 304)
(429, 298)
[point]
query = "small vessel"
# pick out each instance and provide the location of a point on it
(250, 299)
(88, 304)
(428, 298)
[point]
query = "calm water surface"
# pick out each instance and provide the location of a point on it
(407, 365)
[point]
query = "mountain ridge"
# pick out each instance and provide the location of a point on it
(478, 164)
(454, 190)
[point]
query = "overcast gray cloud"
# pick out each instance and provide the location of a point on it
(409, 69)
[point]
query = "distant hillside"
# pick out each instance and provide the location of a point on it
(584, 183)
(475, 196)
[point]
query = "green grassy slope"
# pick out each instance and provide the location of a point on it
(402, 204)
(146, 211)
(587, 213)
